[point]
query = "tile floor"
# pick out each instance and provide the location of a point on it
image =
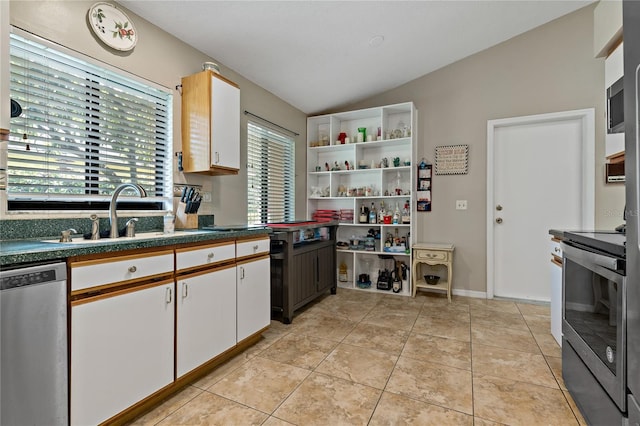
(360, 358)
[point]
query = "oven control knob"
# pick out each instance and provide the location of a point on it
(611, 355)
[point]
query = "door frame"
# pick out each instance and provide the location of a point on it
(587, 118)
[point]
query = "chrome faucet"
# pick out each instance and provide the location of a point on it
(131, 227)
(113, 216)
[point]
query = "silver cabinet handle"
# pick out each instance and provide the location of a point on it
(241, 273)
(132, 269)
(185, 290)
(169, 295)
(210, 255)
(255, 248)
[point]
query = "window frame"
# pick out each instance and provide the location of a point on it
(288, 203)
(58, 204)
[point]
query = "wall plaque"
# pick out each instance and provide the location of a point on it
(452, 160)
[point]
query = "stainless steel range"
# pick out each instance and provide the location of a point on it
(631, 35)
(601, 362)
(594, 324)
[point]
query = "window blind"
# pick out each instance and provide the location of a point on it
(84, 129)
(270, 175)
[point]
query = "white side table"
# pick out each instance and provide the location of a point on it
(432, 254)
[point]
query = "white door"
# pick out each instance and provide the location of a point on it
(225, 124)
(121, 351)
(540, 176)
(254, 297)
(206, 324)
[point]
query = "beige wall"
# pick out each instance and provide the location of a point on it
(163, 59)
(549, 69)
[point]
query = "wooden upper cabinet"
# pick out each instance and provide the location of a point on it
(210, 124)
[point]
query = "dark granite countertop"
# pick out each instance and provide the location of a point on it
(556, 233)
(299, 225)
(34, 250)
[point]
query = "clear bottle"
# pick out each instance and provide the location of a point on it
(396, 215)
(169, 223)
(373, 214)
(342, 274)
(406, 213)
(381, 213)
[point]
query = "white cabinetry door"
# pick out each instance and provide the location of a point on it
(254, 297)
(206, 324)
(225, 124)
(121, 350)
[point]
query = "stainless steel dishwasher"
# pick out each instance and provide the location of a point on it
(34, 348)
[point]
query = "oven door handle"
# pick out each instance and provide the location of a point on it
(589, 258)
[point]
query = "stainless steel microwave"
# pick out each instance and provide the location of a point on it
(615, 108)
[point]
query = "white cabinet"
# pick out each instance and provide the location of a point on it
(253, 277)
(141, 323)
(201, 256)
(206, 317)
(555, 279)
(104, 273)
(210, 124)
(225, 124)
(254, 296)
(121, 350)
(342, 178)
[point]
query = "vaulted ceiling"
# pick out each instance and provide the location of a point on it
(319, 55)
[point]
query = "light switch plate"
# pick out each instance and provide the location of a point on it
(461, 204)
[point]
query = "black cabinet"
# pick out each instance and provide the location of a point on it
(301, 271)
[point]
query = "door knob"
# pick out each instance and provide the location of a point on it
(499, 220)
(498, 207)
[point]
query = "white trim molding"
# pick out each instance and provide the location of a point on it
(587, 118)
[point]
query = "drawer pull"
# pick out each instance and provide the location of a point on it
(241, 273)
(185, 290)
(255, 248)
(132, 269)
(210, 255)
(169, 296)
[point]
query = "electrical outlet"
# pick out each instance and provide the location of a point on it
(461, 204)
(206, 197)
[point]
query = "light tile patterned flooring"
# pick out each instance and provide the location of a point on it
(362, 358)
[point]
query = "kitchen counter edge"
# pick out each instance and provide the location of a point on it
(19, 252)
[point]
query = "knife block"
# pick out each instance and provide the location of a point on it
(185, 220)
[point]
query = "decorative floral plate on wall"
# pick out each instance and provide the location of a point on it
(112, 26)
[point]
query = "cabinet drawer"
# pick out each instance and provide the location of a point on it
(432, 255)
(206, 255)
(252, 247)
(94, 273)
(555, 248)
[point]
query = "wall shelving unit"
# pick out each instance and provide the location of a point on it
(341, 178)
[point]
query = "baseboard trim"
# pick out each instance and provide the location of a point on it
(469, 293)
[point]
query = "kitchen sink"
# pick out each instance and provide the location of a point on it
(139, 236)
